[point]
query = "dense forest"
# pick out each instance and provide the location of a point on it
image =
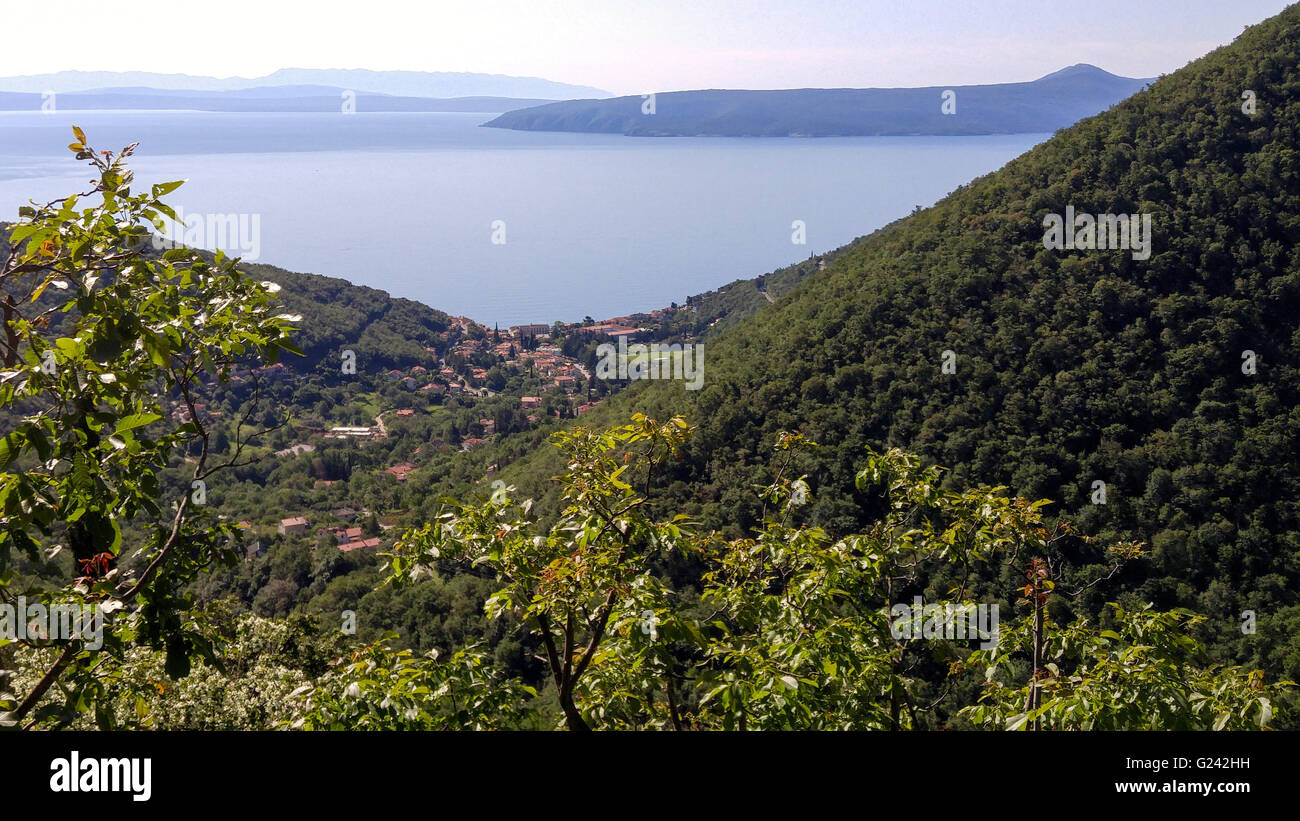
(1118, 434)
(1071, 368)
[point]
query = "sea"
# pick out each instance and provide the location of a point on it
(505, 227)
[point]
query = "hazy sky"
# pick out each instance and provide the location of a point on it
(631, 46)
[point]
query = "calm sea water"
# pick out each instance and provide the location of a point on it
(593, 225)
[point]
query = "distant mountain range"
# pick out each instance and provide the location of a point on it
(1049, 103)
(271, 98)
(528, 104)
(435, 84)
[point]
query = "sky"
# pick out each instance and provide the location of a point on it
(633, 46)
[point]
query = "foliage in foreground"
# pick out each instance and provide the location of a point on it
(140, 333)
(790, 628)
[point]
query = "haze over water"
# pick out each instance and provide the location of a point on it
(595, 225)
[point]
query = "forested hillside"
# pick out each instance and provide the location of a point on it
(385, 332)
(1072, 367)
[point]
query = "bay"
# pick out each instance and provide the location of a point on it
(593, 225)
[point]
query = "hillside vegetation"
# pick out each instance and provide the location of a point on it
(1072, 367)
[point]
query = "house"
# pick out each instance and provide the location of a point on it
(406, 412)
(373, 541)
(343, 535)
(530, 401)
(349, 432)
(294, 524)
(276, 373)
(471, 442)
(347, 514)
(400, 471)
(489, 426)
(530, 330)
(613, 330)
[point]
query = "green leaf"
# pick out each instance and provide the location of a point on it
(136, 420)
(37, 439)
(286, 345)
(1017, 722)
(10, 447)
(162, 189)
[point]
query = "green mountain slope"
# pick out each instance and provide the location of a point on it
(1073, 367)
(383, 331)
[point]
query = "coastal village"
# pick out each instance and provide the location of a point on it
(459, 372)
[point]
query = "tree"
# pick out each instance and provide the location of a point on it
(571, 581)
(1145, 673)
(107, 348)
(383, 688)
(794, 629)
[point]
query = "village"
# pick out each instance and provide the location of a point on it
(467, 371)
